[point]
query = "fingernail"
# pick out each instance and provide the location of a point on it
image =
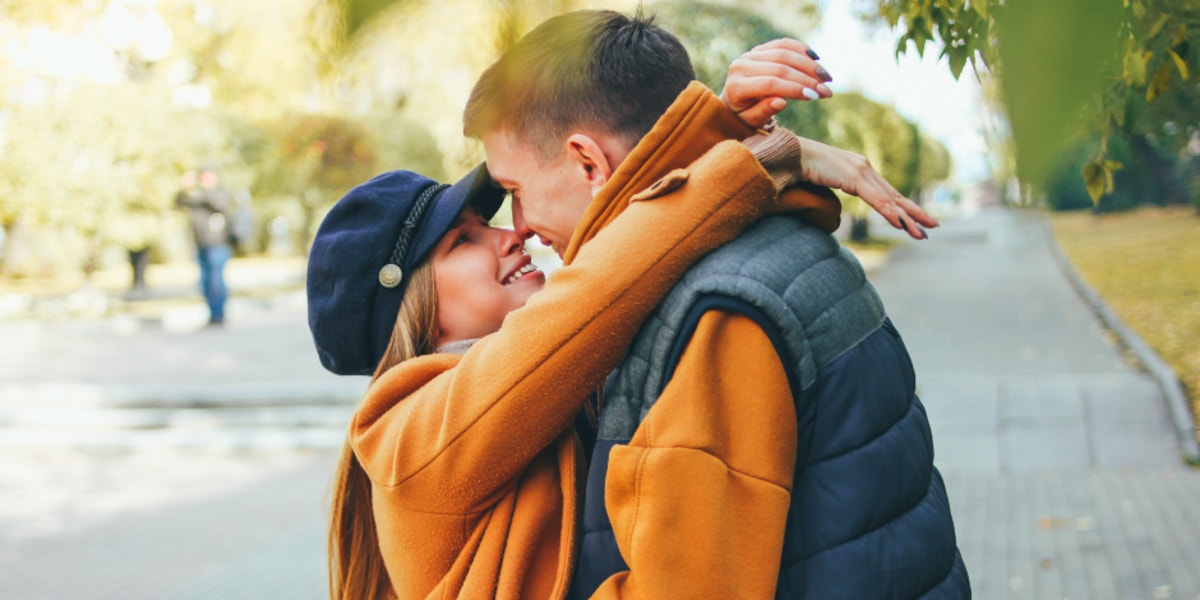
(824, 90)
(823, 74)
(812, 55)
(924, 234)
(811, 94)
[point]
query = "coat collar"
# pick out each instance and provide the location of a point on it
(693, 124)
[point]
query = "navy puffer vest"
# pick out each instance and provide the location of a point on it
(869, 516)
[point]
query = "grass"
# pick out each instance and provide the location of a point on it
(1146, 265)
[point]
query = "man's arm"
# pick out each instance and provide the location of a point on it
(217, 199)
(699, 497)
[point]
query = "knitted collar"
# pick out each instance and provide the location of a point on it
(459, 347)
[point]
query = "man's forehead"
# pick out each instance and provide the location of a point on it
(503, 149)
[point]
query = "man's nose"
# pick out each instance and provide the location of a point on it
(520, 227)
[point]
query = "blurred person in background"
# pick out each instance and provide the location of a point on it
(208, 205)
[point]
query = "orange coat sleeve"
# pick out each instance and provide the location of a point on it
(699, 497)
(454, 432)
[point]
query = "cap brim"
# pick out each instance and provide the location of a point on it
(476, 189)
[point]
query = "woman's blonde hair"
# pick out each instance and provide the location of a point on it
(356, 569)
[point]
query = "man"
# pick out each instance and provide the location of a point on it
(207, 204)
(761, 438)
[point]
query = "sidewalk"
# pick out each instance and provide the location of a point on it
(139, 375)
(1060, 457)
(145, 456)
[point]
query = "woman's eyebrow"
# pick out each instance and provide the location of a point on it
(454, 231)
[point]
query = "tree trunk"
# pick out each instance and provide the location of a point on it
(860, 229)
(138, 261)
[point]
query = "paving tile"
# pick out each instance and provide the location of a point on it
(1034, 399)
(1060, 444)
(960, 401)
(966, 448)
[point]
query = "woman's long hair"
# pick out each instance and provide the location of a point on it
(356, 570)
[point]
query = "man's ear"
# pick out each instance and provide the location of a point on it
(586, 153)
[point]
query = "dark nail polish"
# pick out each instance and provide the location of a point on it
(812, 55)
(924, 234)
(823, 74)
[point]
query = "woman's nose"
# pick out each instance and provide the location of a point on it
(509, 242)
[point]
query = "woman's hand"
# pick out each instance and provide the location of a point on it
(761, 81)
(852, 173)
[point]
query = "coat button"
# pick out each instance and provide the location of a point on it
(390, 275)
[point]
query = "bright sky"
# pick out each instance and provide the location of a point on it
(921, 89)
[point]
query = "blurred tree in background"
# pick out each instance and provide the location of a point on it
(108, 102)
(716, 34)
(109, 188)
(420, 58)
(1104, 88)
(316, 159)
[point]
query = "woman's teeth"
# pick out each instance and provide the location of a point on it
(525, 270)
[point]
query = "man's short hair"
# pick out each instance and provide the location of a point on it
(594, 69)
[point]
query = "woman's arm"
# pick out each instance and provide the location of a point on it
(779, 152)
(761, 81)
(803, 171)
(455, 433)
(758, 86)
(852, 173)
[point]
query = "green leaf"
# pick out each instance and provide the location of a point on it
(914, 11)
(1135, 66)
(981, 7)
(1116, 116)
(1095, 180)
(1052, 78)
(355, 15)
(1162, 81)
(1179, 64)
(1098, 176)
(920, 32)
(958, 58)
(1158, 25)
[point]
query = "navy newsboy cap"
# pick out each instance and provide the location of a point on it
(359, 264)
